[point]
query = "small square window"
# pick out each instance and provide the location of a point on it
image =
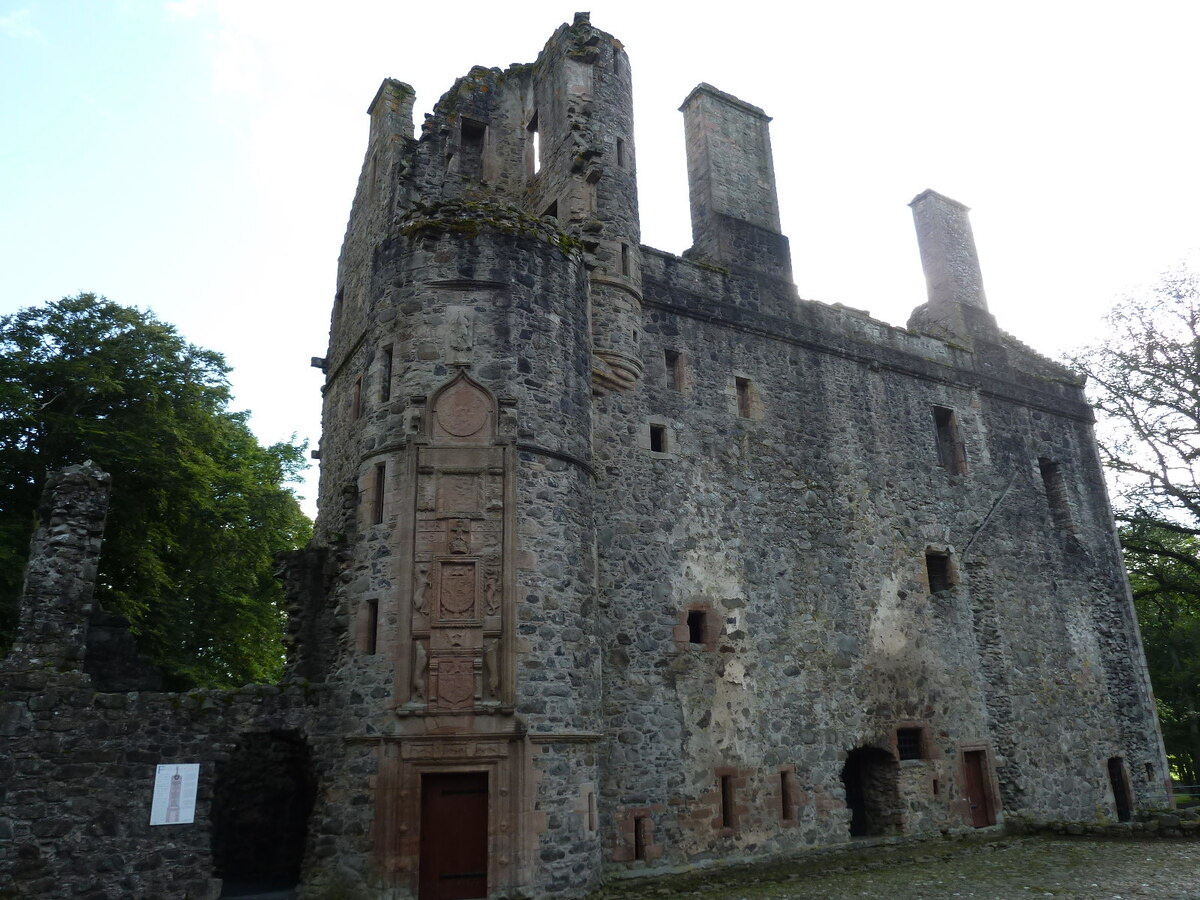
(908, 743)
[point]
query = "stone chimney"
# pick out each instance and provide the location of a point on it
(731, 179)
(957, 307)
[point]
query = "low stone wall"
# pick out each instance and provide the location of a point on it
(1170, 823)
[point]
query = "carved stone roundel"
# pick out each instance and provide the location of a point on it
(462, 411)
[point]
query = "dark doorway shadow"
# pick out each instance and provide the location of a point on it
(872, 793)
(261, 803)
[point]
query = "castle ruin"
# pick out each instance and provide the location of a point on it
(625, 561)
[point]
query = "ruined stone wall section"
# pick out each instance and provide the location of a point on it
(60, 578)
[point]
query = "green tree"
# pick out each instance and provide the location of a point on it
(198, 506)
(1145, 380)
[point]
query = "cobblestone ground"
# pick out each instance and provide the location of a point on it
(1009, 868)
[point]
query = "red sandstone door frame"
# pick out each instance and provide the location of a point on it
(403, 766)
(979, 788)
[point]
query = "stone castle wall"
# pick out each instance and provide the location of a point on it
(679, 567)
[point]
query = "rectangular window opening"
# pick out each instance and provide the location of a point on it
(640, 825)
(908, 743)
(696, 620)
(373, 177)
(620, 153)
(535, 145)
(385, 375)
(473, 136)
(787, 800)
(658, 438)
(674, 369)
(937, 565)
(744, 397)
(372, 627)
(727, 798)
(1056, 495)
(937, 787)
(378, 493)
(625, 265)
(356, 405)
(616, 60)
(952, 453)
(1150, 772)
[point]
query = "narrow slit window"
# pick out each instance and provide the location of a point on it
(1056, 495)
(377, 494)
(620, 153)
(356, 406)
(744, 397)
(908, 743)
(787, 801)
(338, 301)
(472, 137)
(535, 144)
(591, 810)
(727, 799)
(658, 438)
(616, 60)
(371, 637)
(696, 621)
(625, 264)
(952, 453)
(674, 369)
(385, 375)
(937, 566)
(640, 828)
(373, 177)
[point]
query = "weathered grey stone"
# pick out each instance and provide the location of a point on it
(665, 563)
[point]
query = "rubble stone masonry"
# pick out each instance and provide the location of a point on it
(624, 562)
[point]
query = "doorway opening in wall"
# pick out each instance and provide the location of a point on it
(261, 802)
(454, 836)
(975, 786)
(1120, 788)
(870, 777)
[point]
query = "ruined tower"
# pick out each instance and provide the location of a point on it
(627, 560)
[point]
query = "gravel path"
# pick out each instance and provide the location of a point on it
(1009, 868)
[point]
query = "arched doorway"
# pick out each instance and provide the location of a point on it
(872, 794)
(261, 801)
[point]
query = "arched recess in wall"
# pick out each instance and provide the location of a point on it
(261, 803)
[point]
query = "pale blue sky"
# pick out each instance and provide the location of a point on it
(198, 157)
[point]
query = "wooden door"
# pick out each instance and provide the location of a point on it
(977, 793)
(454, 836)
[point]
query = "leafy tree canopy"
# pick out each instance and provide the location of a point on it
(198, 506)
(1145, 380)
